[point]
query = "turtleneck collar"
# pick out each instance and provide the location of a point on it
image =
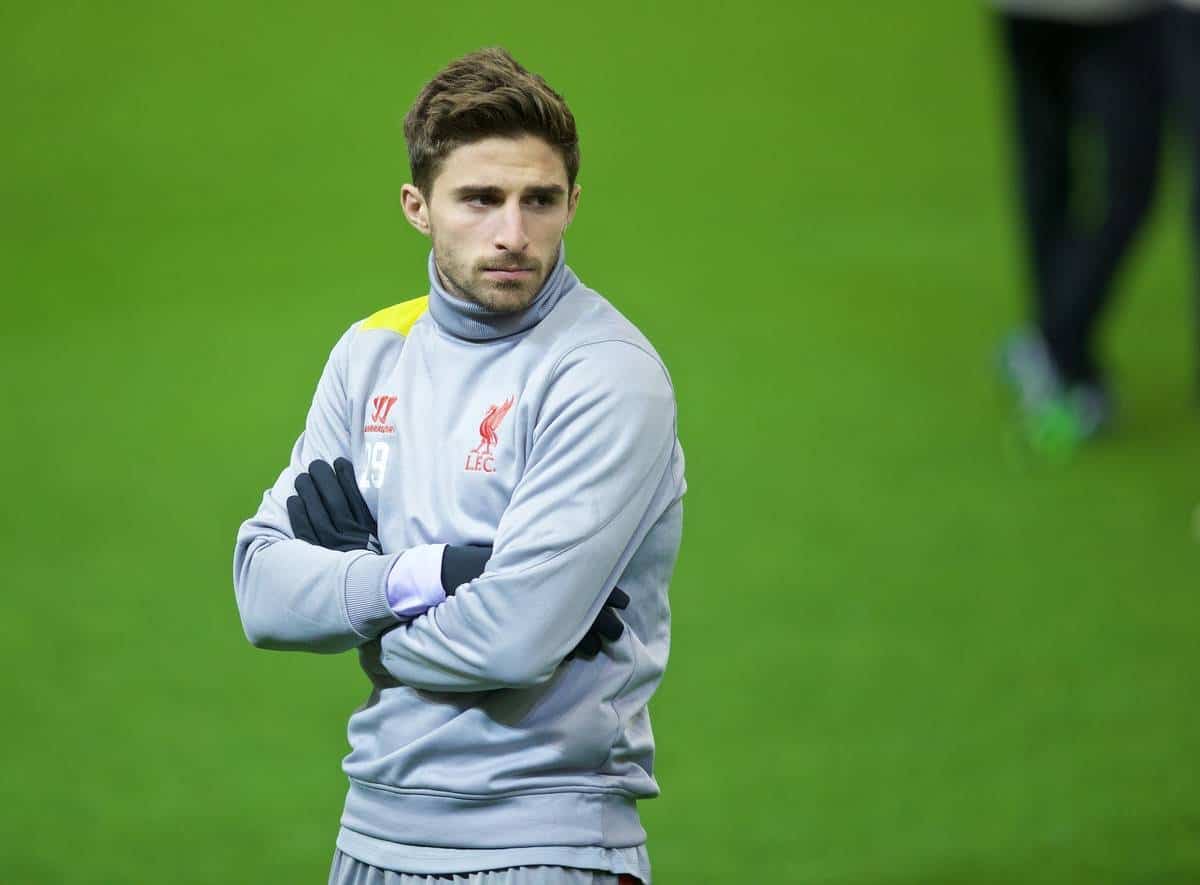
(465, 319)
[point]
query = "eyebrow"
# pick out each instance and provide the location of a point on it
(484, 190)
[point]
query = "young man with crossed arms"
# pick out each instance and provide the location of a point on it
(478, 472)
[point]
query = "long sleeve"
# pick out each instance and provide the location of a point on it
(597, 476)
(291, 594)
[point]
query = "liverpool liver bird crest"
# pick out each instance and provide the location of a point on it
(489, 425)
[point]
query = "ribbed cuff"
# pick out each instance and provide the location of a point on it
(366, 594)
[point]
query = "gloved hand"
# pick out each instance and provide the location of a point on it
(607, 626)
(328, 510)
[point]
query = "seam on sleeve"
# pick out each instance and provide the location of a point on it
(611, 340)
(557, 553)
(552, 375)
(343, 377)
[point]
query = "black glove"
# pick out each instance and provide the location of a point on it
(461, 564)
(465, 563)
(328, 509)
(607, 626)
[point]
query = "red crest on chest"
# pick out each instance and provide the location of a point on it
(481, 458)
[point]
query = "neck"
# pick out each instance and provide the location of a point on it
(474, 322)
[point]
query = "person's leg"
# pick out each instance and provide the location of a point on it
(1184, 55)
(1117, 80)
(1037, 52)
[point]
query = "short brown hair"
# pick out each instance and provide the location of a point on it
(481, 95)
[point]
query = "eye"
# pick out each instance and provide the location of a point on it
(540, 201)
(479, 200)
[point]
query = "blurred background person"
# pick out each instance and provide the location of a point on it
(1183, 53)
(1087, 105)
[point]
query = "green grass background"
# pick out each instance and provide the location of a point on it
(904, 652)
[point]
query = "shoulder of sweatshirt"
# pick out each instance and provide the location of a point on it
(586, 324)
(393, 321)
(381, 333)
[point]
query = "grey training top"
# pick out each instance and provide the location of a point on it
(549, 434)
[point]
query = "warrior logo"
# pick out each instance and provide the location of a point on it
(377, 423)
(480, 458)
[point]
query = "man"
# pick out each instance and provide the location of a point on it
(513, 409)
(1078, 66)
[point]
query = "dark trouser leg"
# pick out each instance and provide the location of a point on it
(1038, 52)
(1184, 45)
(1118, 85)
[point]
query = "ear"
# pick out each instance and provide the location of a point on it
(573, 204)
(416, 208)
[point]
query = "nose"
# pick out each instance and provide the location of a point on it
(511, 235)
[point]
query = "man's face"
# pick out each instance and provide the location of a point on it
(496, 217)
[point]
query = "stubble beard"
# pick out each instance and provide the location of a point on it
(498, 296)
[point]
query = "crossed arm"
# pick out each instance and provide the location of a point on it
(602, 446)
(328, 510)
